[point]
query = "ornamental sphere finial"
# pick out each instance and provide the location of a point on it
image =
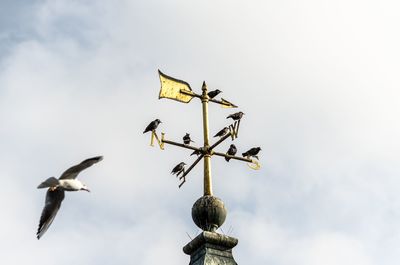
(209, 213)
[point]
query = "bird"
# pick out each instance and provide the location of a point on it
(231, 151)
(214, 93)
(222, 132)
(178, 169)
(186, 139)
(236, 116)
(152, 126)
(197, 152)
(252, 152)
(55, 193)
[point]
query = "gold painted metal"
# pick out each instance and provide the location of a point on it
(207, 156)
(226, 104)
(152, 138)
(190, 93)
(160, 142)
(234, 129)
(179, 90)
(254, 165)
(171, 88)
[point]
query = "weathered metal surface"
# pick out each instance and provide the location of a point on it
(210, 248)
(209, 213)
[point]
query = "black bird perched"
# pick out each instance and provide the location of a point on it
(236, 116)
(231, 151)
(214, 93)
(186, 139)
(222, 132)
(196, 152)
(252, 152)
(55, 194)
(178, 169)
(152, 126)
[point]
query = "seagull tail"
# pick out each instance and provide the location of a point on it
(50, 182)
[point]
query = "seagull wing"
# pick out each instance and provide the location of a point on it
(74, 171)
(51, 206)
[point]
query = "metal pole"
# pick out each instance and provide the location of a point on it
(207, 156)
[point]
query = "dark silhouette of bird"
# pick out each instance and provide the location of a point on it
(236, 116)
(178, 169)
(186, 139)
(55, 193)
(152, 126)
(231, 151)
(222, 132)
(252, 152)
(196, 152)
(214, 93)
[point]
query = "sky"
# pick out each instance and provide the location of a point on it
(318, 81)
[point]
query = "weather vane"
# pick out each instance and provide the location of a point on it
(181, 91)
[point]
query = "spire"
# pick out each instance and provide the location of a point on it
(209, 247)
(208, 212)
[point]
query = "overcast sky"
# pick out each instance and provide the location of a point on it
(318, 81)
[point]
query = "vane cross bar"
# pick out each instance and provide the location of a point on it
(181, 145)
(222, 102)
(189, 169)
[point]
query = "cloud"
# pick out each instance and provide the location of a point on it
(317, 81)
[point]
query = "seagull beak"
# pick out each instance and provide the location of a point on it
(85, 189)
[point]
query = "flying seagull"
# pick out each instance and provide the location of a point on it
(178, 169)
(152, 126)
(186, 139)
(236, 116)
(222, 132)
(55, 194)
(214, 93)
(231, 151)
(252, 152)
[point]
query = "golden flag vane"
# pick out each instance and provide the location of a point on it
(175, 89)
(181, 91)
